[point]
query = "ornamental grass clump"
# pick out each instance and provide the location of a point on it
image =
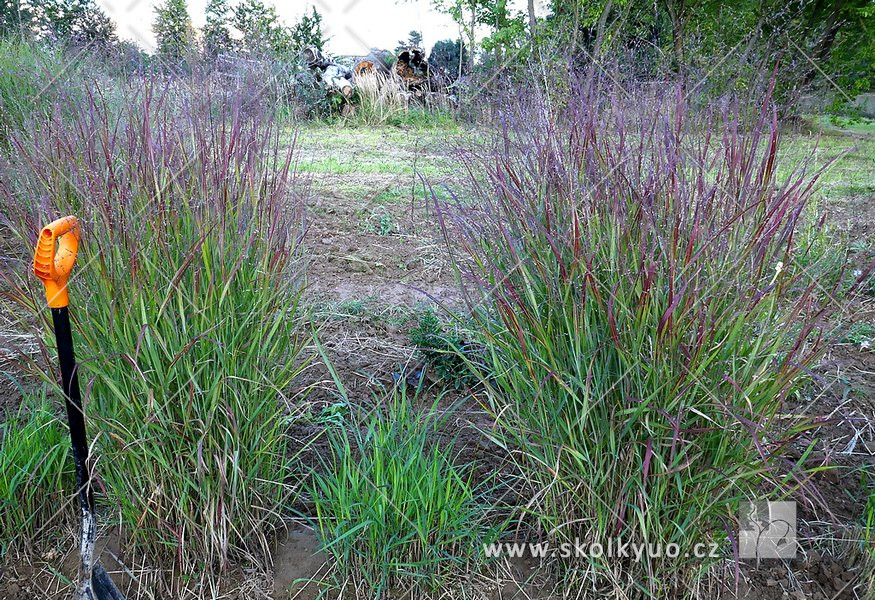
(633, 272)
(36, 473)
(397, 511)
(185, 299)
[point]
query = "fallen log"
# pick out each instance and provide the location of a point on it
(408, 71)
(339, 79)
(418, 76)
(376, 61)
(315, 58)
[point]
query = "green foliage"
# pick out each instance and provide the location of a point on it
(173, 32)
(447, 349)
(447, 55)
(509, 36)
(185, 305)
(417, 117)
(16, 16)
(381, 223)
(36, 473)
(816, 254)
(310, 98)
(414, 40)
(77, 22)
(640, 327)
(393, 509)
(308, 32)
(853, 53)
(25, 68)
(217, 35)
(263, 32)
(862, 335)
(867, 484)
(824, 48)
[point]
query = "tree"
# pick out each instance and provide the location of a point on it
(217, 35)
(466, 14)
(414, 40)
(263, 33)
(308, 32)
(679, 14)
(450, 56)
(15, 17)
(68, 21)
(93, 26)
(173, 31)
(508, 35)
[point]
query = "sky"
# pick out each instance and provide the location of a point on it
(352, 26)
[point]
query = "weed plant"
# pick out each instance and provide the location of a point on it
(36, 474)
(446, 348)
(395, 510)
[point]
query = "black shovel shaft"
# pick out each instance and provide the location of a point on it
(75, 414)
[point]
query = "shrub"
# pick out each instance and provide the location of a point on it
(446, 349)
(393, 509)
(185, 301)
(36, 477)
(632, 270)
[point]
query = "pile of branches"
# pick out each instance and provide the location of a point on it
(420, 82)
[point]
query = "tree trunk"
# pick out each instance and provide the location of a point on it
(599, 38)
(461, 52)
(677, 16)
(532, 22)
(473, 38)
(825, 44)
(600, 31)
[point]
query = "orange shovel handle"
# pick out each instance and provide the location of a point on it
(54, 258)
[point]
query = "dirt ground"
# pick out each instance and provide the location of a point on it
(376, 257)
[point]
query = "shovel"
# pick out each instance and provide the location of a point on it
(52, 265)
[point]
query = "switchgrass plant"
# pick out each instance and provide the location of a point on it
(823, 250)
(34, 76)
(395, 509)
(25, 70)
(36, 475)
(185, 300)
(633, 271)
